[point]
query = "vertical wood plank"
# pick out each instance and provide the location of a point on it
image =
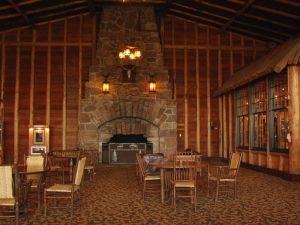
(16, 107)
(197, 93)
(230, 98)
(80, 72)
(32, 78)
(225, 135)
(186, 113)
(208, 98)
(65, 88)
(48, 77)
(220, 80)
(2, 90)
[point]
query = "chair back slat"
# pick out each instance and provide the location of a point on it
(79, 171)
(35, 163)
(184, 168)
(234, 163)
(6, 182)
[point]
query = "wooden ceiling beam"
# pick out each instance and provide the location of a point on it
(254, 35)
(59, 10)
(196, 15)
(230, 6)
(91, 7)
(23, 14)
(260, 30)
(202, 13)
(63, 15)
(197, 20)
(237, 15)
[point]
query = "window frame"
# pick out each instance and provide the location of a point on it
(279, 109)
(238, 116)
(259, 112)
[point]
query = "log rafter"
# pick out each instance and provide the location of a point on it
(23, 14)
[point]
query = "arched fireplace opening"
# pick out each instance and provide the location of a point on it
(121, 138)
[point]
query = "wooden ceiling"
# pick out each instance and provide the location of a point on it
(268, 20)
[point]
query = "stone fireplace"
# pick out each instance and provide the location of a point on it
(129, 108)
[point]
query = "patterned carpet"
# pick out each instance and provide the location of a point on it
(114, 197)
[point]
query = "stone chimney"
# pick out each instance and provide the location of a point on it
(128, 108)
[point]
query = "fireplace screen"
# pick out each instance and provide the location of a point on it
(121, 149)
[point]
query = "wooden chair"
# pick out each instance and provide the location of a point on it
(184, 179)
(223, 175)
(13, 195)
(66, 191)
(150, 180)
(54, 166)
(34, 165)
(92, 158)
(138, 171)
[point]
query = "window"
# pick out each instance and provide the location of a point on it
(242, 107)
(259, 116)
(278, 112)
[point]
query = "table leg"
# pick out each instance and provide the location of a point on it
(162, 183)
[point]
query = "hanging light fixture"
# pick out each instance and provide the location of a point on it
(105, 86)
(152, 84)
(130, 53)
(129, 57)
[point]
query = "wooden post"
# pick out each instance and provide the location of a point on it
(208, 97)
(64, 122)
(16, 107)
(198, 95)
(294, 118)
(2, 93)
(48, 77)
(220, 80)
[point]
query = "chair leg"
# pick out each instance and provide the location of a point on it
(195, 198)
(234, 189)
(217, 191)
(72, 202)
(144, 190)
(39, 197)
(174, 198)
(17, 213)
(207, 187)
(45, 204)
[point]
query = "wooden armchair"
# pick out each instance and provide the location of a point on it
(61, 192)
(13, 195)
(223, 175)
(184, 179)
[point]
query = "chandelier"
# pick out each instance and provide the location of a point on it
(129, 57)
(130, 53)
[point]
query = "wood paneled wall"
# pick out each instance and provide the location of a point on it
(43, 72)
(199, 59)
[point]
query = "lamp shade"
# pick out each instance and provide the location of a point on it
(105, 87)
(152, 86)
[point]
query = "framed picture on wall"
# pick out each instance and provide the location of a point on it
(38, 149)
(38, 136)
